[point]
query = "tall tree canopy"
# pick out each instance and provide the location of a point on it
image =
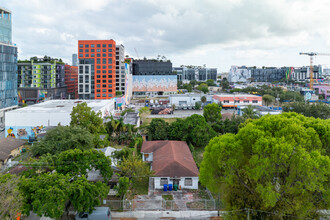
(316, 110)
(268, 99)
(212, 113)
(84, 117)
(63, 138)
(51, 194)
(77, 162)
(10, 196)
(194, 130)
(277, 163)
(157, 129)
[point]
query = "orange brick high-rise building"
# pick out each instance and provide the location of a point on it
(97, 69)
(71, 81)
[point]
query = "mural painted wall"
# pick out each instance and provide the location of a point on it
(154, 83)
(23, 132)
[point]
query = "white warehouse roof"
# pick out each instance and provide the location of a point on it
(53, 112)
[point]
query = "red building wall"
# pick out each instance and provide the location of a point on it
(104, 54)
(71, 81)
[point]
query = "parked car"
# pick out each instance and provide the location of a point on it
(100, 213)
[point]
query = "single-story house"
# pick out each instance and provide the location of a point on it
(95, 176)
(172, 163)
(9, 148)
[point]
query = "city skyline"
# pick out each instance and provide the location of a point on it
(216, 33)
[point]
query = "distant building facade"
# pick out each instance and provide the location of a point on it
(121, 73)
(40, 79)
(74, 59)
(303, 73)
(97, 69)
(270, 74)
(8, 66)
(5, 26)
(71, 81)
(195, 73)
(153, 77)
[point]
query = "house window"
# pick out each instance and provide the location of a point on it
(254, 101)
(188, 181)
(246, 101)
(225, 101)
(163, 181)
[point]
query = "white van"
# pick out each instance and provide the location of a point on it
(100, 213)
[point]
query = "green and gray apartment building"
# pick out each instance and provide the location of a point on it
(40, 79)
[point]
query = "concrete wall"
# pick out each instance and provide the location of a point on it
(181, 182)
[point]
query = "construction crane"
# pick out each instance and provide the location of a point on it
(136, 53)
(311, 55)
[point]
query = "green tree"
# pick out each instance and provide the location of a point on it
(10, 196)
(203, 100)
(212, 113)
(271, 162)
(84, 117)
(231, 125)
(249, 112)
(157, 129)
(198, 105)
(134, 168)
(144, 113)
(194, 130)
(224, 84)
(177, 130)
(291, 96)
(210, 82)
(187, 87)
(123, 185)
(193, 83)
(63, 138)
(77, 162)
(51, 194)
(203, 87)
(268, 99)
(316, 110)
(197, 131)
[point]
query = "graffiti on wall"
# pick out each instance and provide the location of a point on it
(24, 132)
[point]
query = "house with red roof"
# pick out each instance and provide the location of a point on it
(172, 163)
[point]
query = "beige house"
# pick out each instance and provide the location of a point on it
(9, 148)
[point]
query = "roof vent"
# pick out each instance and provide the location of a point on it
(60, 106)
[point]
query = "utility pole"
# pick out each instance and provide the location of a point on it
(248, 214)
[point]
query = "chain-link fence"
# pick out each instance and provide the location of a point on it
(165, 205)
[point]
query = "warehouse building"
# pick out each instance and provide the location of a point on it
(27, 122)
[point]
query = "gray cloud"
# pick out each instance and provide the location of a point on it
(172, 28)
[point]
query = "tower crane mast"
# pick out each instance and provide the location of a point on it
(311, 55)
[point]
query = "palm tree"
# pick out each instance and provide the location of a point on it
(249, 112)
(203, 100)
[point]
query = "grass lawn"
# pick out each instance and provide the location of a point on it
(140, 187)
(120, 147)
(198, 155)
(168, 120)
(167, 197)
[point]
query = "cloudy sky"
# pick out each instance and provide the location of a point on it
(217, 33)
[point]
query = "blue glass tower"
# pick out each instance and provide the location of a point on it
(8, 62)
